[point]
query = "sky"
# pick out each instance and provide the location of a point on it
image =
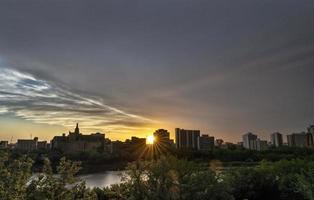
(128, 67)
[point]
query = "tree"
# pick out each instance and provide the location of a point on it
(64, 186)
(169, 178)
(14, 175)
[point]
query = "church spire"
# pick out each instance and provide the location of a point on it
(77, 130)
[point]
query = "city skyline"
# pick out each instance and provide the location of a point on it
(225, 68)
(275, 138)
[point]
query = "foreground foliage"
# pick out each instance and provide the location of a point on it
(18, 183)
(167, 178)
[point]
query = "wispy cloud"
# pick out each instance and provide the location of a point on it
(31, 98)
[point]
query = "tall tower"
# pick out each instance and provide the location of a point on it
(77, 130)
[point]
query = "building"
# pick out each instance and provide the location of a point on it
(42, 145)
(303, 139)
(186, 139)
(276, 139)
(76, 142)
(310, 131)
(230, 146)
(240, 144)
(162, 138)
(162, 134)
(27, 145)
(205, 143)
(114, 147)
(249, 141)
(299, 139)
(138, 141)
(135, 148)
(11, 146)
(261, 145)
(290, 140)
(4, 144)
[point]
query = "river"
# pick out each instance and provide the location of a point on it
(102, 179)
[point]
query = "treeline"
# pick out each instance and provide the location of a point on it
(166, 178)
(244, 155)
(101, 161)
(93, 161)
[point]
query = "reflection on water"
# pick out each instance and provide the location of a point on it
(102, 179)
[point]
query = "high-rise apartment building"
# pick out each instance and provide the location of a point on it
(276, 139)
(261, 145)
(249, 141)
(205, 143)
(299, 139)
(187, 139)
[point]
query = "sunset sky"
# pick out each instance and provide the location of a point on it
(127, 67)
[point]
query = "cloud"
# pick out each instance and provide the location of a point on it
(31, 98)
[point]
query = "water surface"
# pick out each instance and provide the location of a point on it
(102, 179)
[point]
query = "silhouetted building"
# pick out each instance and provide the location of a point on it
(115, 147)
(162, 138)
(187, 139)
(4, 144)
(27, 145)
(136, 147)
(249, 141)
(230, 146)
(261, 145)
(240, 144)
(76, 142)
(138, 141)
(42, 145)
(299, 139)
(205, 143)
(135, 143)
(310, 131)
(276, 139)
(11, 145)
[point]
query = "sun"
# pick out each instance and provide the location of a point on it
(150, 139)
